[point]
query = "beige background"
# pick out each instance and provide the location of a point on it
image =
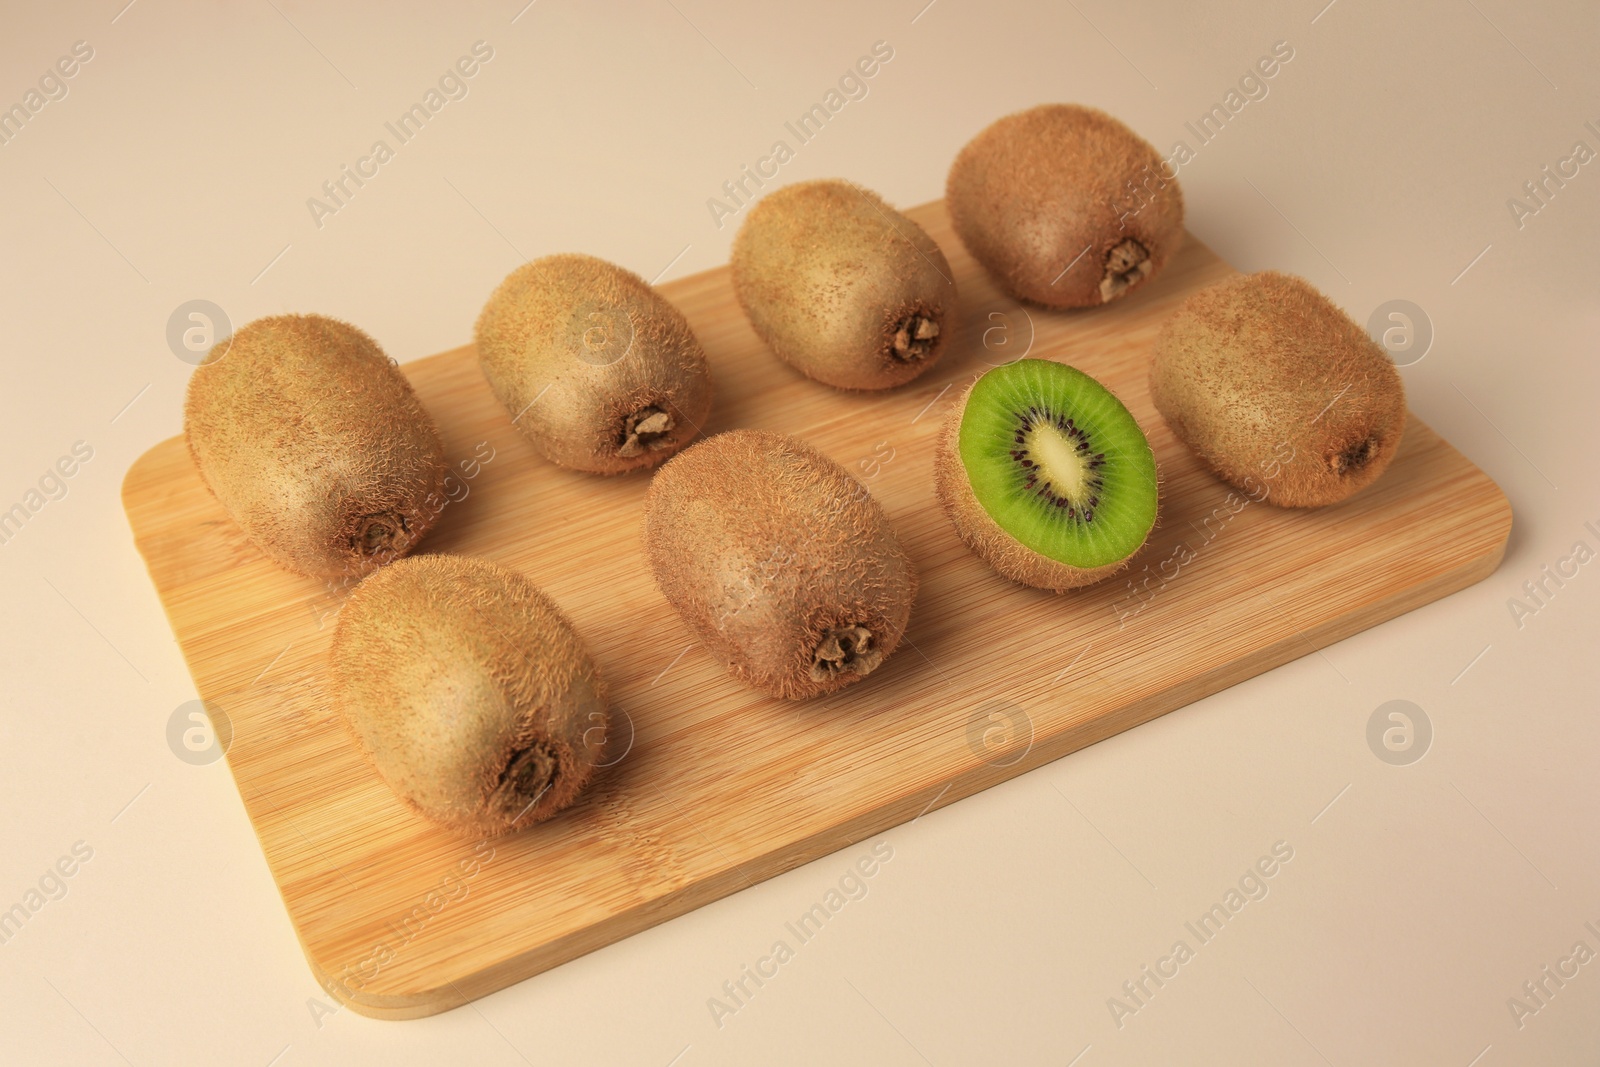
(1379, 165)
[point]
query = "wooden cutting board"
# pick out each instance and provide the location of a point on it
(719, 787)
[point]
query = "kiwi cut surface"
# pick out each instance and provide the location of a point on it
(843, 287)
(1046, 475)
(1278, 390)
(1065, 206)
(780, 562)
(316, 445)
(469, 692)
(598, 369)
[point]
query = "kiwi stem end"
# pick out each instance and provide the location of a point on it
(1352, 458)
(378, 534)
(914, 337)
(530, 773)
(649, 428)
(1127, 264)
(845, 648)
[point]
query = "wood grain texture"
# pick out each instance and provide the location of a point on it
(720, 787)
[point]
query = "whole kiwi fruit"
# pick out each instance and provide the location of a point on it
(1278, 390)
(1046, 475)
(599, 370)
(780, 562)
(316, 445)
(469, 692)
(843, 287)
(1065, 206)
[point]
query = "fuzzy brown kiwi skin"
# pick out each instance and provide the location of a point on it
(843, 287)
(598, 369)
(989, 540)
(316, 445)
(1042, 199)
(469, 692)
(1271, 384)
(780, 562)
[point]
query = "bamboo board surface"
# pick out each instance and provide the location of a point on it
(720, 787)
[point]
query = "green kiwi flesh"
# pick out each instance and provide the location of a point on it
(1046, 475)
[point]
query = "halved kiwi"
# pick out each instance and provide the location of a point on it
(1046, 475)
